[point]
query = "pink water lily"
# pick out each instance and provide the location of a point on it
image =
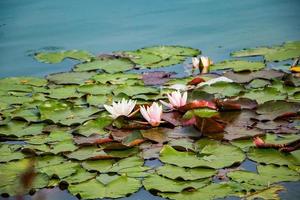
(176, 100)
(152, 114)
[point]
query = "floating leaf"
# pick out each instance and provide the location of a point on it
(57, 57)
(213, 155)
(159, 183)
(109, 65)
(9, 154)
(174, 172)
(60, 112)
(93, 189)
(264, 95)
(245, 77)
(200, 112)
(210, 192)
(70, 77)
(96, 89)
(238, 65)
(277, 109)
(20, 129)
(269, 193)
(94, 126)
(61, 170)
(116, 78)
(223, 89)
(64, 92)
(273, 156)
(276, 53)
(134, 90)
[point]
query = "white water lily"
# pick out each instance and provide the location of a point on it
(205, 63)
(176, 100)
(195, 62)
(120, 108)
(215, 80)
(152, 114)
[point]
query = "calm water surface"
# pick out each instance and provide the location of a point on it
(217, 27)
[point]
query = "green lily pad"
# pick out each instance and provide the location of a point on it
(223, 89)
(61, 170)
(266, 176)
(10, 173)
(117, 78)
(174, 172)
(102, 166)
(96, 100)
(60, 112)
(94, 126)
(20, 129)
(273, 156)
(238, 65)
(159, 183)
(57, 57)
(213, 155)
(201, 112)
(264, 95)
(111, 65)
(81, 175)
(93, 189)
(210, 192)
(63, 146)
(258, 83)
(9, 100)
(269, 193)
(64, 92)
(30, 115)
(286, 51)
(96, 89)
(9, 154)
(70, 77)
(132, 90)
(24, 80)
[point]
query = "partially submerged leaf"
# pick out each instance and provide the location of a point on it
(57, 57)
(238, 65)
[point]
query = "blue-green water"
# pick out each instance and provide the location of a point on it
(214, 26)
(217, 27)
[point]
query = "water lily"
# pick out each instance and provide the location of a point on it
(257, 141)
(120, 108)
(205, 63)
(195, 62)
(176, 100)
(152, 114)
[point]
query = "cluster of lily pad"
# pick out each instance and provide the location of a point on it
(94, 127)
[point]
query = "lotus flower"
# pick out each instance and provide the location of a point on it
(176, 100)
(152, 114)
(195, 62)
(120, 108)
(257, 141)
(205, 63)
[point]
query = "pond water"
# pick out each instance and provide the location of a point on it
(216, 27)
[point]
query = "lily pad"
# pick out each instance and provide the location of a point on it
(60, 112)
(93, 189)
(264, 95)
(223, 89)
(20, 129)
(96, 89)
(174, 172)
(67, 78)
(212, 155)
(94, 126)
(9, 154)
(273, 156)
(159, 183)
(134, 90)
(116, 78)
(201, 112)
(238, 65)
(111, 65)
(57, 57)
(286, 51)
